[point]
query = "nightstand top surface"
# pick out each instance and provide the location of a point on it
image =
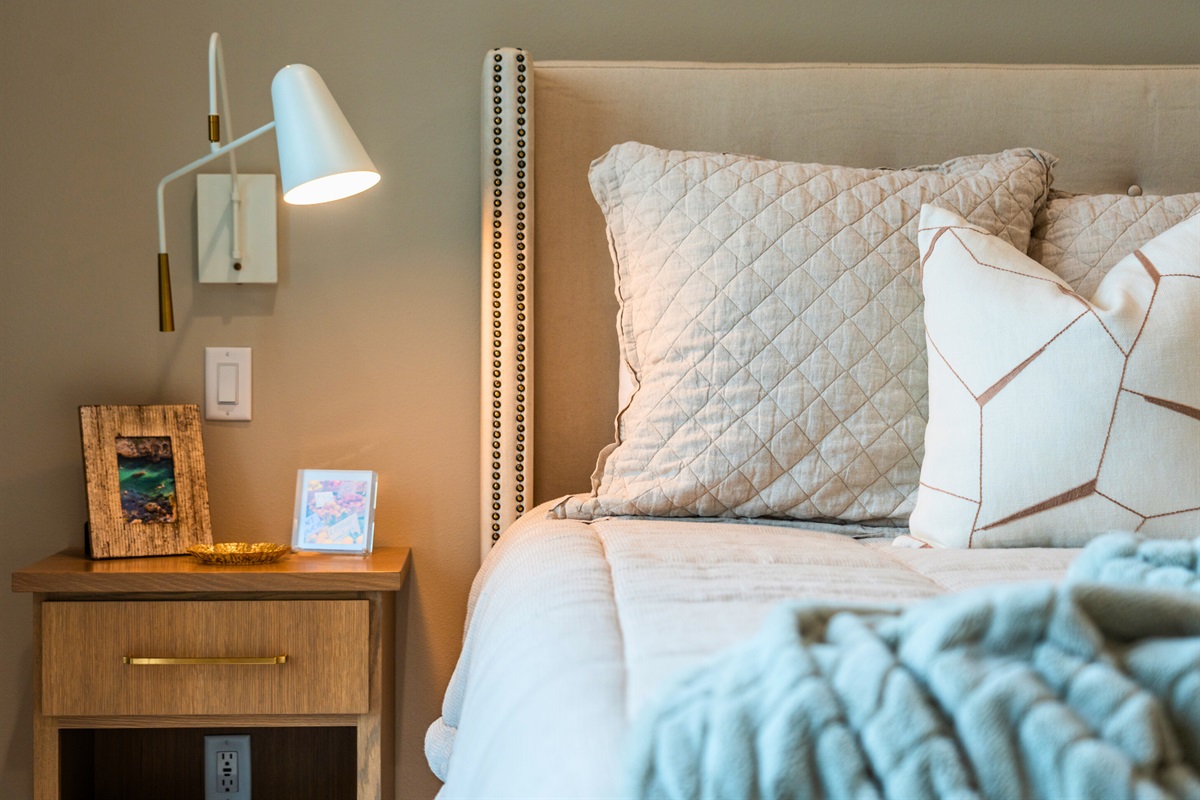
(70, 571)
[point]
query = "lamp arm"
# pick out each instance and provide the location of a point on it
(200, 162)
(216, 77)
(166, 312)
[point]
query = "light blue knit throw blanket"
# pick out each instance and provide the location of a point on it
(1087, 689)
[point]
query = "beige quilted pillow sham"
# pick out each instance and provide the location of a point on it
(1053, 418)
(770, 314)
(1081, 237)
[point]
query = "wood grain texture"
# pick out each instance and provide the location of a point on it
(110, 535)
(387, 682)
(66, 747)
(325, 641)
(376, 728)
(190, 720)
(69, 572)
(45, 732)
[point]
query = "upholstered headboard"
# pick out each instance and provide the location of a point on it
(1114, 129)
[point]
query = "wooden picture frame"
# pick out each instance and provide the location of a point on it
(147, 490)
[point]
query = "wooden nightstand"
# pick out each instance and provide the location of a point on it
(317, 696)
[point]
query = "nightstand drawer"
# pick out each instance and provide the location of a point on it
(139, 658)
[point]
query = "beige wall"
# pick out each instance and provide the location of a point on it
(365, 352)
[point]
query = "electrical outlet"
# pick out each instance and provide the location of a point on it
(227, 767)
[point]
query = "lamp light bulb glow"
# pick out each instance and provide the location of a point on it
(331, 187)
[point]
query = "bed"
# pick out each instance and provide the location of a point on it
(576, 625)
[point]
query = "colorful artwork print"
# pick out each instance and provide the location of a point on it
(335, 513)
(146, 474)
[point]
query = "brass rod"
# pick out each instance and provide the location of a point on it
(214, 128)
(141, 661)
(166, 311)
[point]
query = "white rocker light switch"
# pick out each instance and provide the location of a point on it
(227, 383)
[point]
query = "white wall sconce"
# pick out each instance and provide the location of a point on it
(320, 159)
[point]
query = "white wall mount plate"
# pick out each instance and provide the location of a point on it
(214, 229)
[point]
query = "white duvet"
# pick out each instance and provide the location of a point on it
(573, 626)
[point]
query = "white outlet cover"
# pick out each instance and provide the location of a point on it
(227, 383)
(257, 231)
(213, 745)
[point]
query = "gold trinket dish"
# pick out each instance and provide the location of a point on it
(231, 553)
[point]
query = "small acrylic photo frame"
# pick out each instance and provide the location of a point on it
(335, 511)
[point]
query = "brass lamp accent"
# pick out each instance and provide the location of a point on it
(214, 128)
(166, 312)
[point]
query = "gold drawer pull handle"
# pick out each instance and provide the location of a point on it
(140, 661)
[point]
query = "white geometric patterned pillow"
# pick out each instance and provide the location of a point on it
(770, 314)
(1053, 418)
(1081, 237)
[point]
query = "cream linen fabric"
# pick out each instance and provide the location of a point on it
(573, 627)
(1110, 126)
(771, 318)
(1053, 418)
(1081, 237)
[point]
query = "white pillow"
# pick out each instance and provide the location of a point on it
(770, 317)
(1053, 418)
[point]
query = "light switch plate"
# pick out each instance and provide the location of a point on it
(257, 231)
(227, 383)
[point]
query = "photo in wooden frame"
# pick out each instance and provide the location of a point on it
(147, 490)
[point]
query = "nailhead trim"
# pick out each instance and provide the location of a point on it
(518, 326)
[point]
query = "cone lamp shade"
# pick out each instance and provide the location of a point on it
(320, 158)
